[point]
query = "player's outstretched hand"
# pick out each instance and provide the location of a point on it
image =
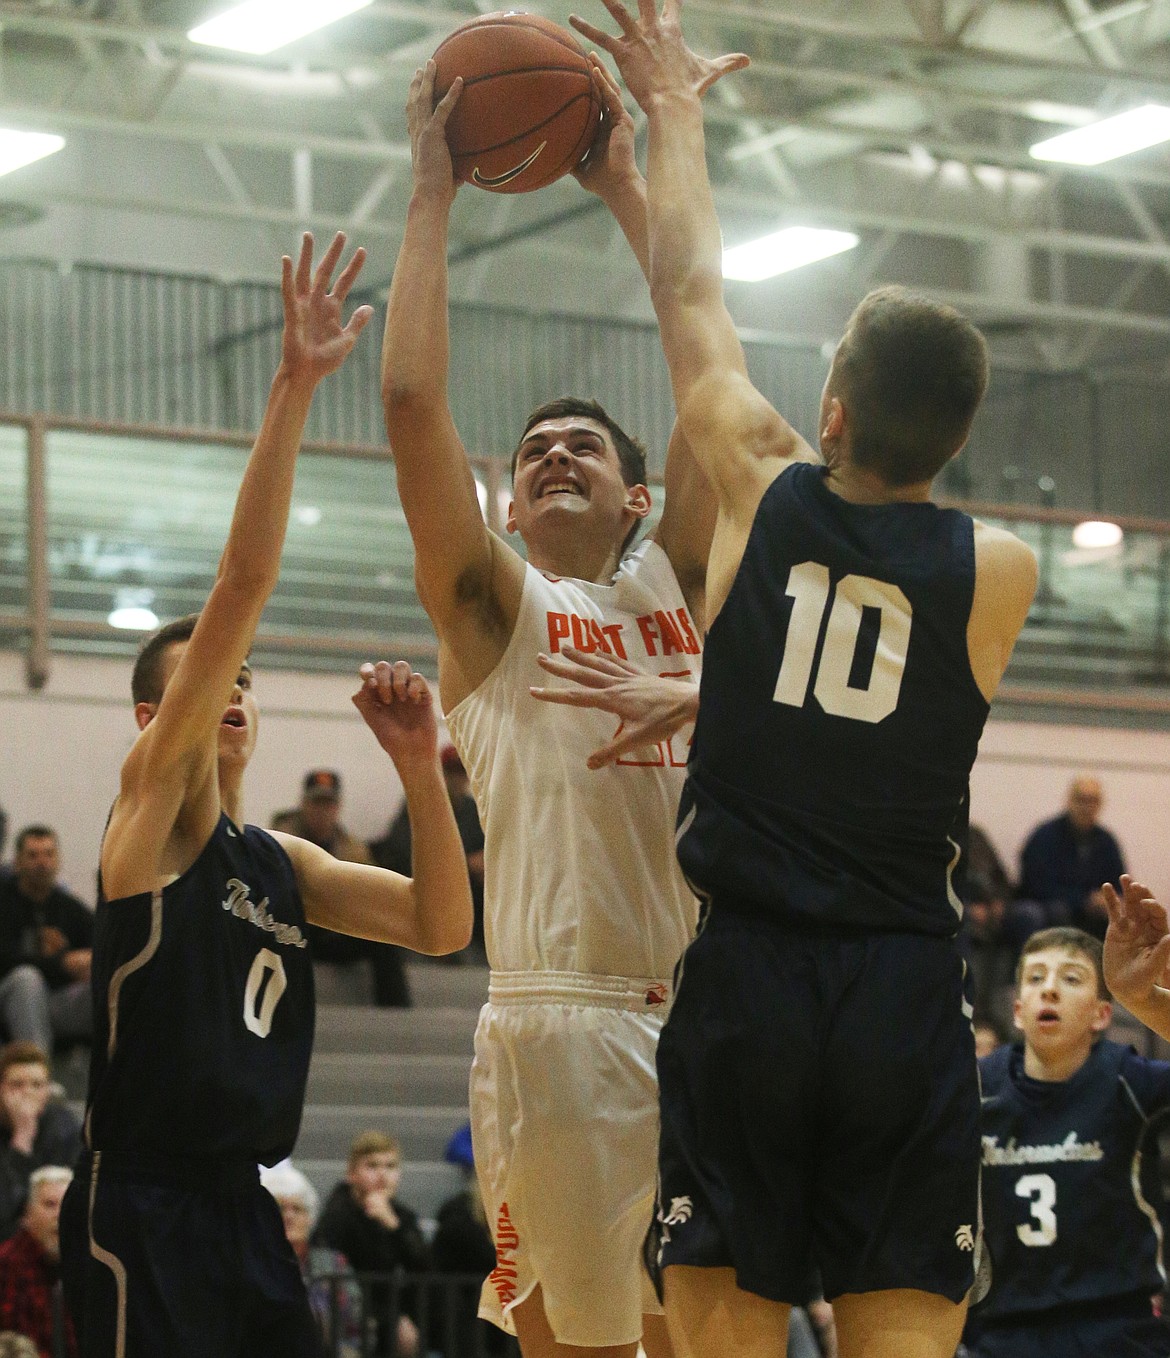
(652, 54)
(650, 708)
(611, 161)
(1137, 943)
(430, 157)
(397, 706)
(315, 341)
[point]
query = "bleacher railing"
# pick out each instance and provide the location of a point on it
(97, 518)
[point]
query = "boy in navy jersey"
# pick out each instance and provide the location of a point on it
(1072, 1197)
(819, 1092)
(202, 978)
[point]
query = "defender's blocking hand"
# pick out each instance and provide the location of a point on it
(315, 341)
(1137, 942)
(651, 709)
(396, 704)
(652, 55)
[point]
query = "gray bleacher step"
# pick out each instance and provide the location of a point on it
(426, 1184)
(363, 1078)
(441, 1031)
(434, 985)
(328, 1130)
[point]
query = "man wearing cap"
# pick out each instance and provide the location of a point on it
(393, 849)
(318, 819)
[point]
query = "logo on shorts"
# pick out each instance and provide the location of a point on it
(656, 994)
(503, 1276)
(681, 1210)
(965, 1239)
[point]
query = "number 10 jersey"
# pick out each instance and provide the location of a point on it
(839, 719)
(204, 1009)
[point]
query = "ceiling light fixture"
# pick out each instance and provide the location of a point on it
(792, 248)
(22, 148)
(261, 26)
(1097, 533)
(1121, 135)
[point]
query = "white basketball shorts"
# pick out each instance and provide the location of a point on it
(564, 1118)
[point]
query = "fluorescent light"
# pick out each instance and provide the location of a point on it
(133, 619)
(261, 26)
(22, 148)
(309, 515)
(792, 248)
(1097, 533)
(1108, 139)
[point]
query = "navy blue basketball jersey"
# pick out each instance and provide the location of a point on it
(839, 717)
(1071, 1194)
(204, 1009)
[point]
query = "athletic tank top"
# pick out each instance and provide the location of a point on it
(1072, 1198)
(839, 717)
(580, 873)
(204, 1011)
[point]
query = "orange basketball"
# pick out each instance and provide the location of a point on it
(528, 112)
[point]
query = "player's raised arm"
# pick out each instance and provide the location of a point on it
(728, 422)
(610, 171)
(1137, 953)
(170, 774)
(467, 580)
(430, 911)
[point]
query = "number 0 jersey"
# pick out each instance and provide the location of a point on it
(580, 871)
(839, 717)
(204, 1012)
(1071, 1190)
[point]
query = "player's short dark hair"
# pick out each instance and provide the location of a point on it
(146, 681)
(631, 453)
(22, 1054)
(1071, 940)
(911, 373)
(33, 832)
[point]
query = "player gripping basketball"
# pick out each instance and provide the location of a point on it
(586, 912)
(818, 1084)
(202, 978)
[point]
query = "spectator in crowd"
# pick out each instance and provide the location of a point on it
(378, 1234)
(988, 1038)
(46, 941)
(393, 849)
(1063, 864)
(13, 1345)
(34, 1129)
(463, 1245)
(983, 862)
(5, 870)
(31, 1300)
(333, 1290)
(318, 819)
(988, 953)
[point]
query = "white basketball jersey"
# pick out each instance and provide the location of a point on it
(580, 868)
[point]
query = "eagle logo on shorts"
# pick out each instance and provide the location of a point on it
(965, 1239)
(680, 1212)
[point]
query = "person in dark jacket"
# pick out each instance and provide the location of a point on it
(34, 1130)
(46, 940)
(363, 1220)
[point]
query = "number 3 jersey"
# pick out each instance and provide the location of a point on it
(204, 1009)
(1071, 1192)
(580, 870)
(839, 716)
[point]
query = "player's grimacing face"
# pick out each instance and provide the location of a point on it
(568, 468)
(1057, 1004)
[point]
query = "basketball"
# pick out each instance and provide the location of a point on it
(528, 112)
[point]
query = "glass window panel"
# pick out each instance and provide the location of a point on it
(13, 526)
(144, 521)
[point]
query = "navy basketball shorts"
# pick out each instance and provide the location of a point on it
(1131, 1333)
(820, 1112)
(187, 1261)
